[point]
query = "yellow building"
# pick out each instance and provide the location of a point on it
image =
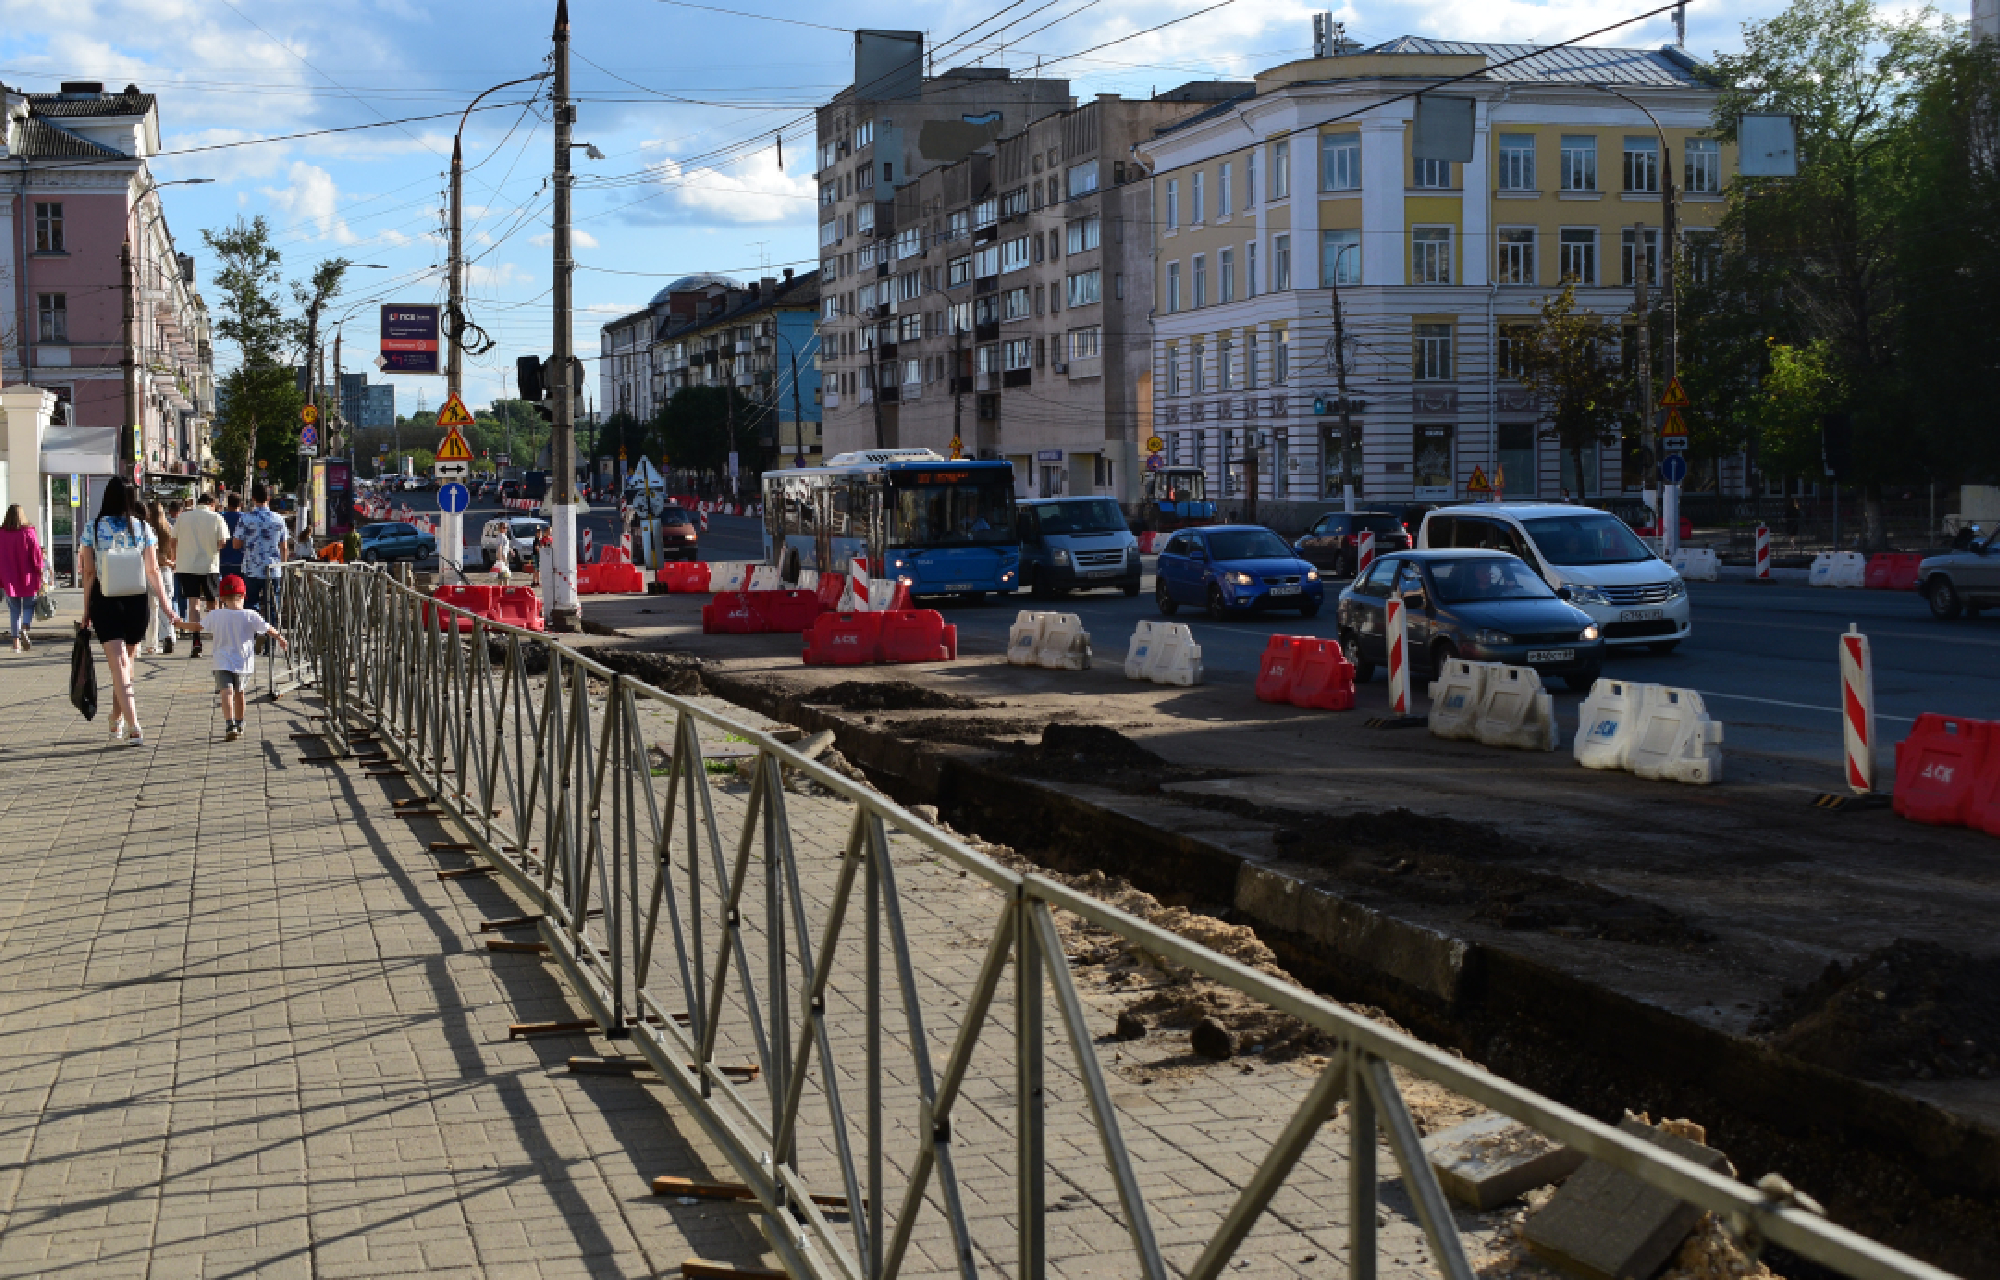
(1268, 206)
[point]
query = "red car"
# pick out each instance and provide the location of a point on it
(1651, 529)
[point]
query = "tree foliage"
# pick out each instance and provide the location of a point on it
(250, 312)
(700, 426)
(1571, 362)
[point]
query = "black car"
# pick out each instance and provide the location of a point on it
(1485, 606)
(1334, 540)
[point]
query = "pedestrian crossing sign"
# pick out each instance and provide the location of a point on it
(454, 414)
(1478, 482)
(453, 447)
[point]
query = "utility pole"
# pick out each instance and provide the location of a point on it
(798, 411)
(563, 611)
(451, 524)
(132, 437)
(958, 380)
(1642, 308)
(339, 414)
(1340, 384)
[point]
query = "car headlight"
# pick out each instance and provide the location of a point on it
(1059, 557)
(1677, 588)
(1588, 633)
(1588, 595)
(1312, 575)
(1492, 638)
(1238, 579)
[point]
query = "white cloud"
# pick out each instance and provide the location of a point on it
(578, 239)
(497, 276)
(311, 197)
(747, 190)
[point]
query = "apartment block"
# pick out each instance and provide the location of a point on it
(1271, 204)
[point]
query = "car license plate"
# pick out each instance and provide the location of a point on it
(1641, 615)
(1551, 655)
(1099, 573)
(1289, 589)
(958, 586)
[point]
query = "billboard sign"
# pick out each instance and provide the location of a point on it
(410, 337)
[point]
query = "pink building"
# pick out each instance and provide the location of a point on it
(74, 189)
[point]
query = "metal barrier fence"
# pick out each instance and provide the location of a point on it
(692, 940)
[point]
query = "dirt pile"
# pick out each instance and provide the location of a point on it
(668, 672)
(1098, 756)
(890, 695)
(1909, 1011)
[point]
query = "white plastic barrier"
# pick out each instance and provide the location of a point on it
(1516, 711)
(728, 575)
(765, 578)
(1065, 645)
(1838, 569)
(1174, 657)
(1676, 741)
(1698, 563)
(1024, 638)
(1607, 722)
(1139, 648)
(1455, 698)
(808, 580)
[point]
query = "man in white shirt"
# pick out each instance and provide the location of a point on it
(199, 536)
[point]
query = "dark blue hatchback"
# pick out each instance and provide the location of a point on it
(1234, 568)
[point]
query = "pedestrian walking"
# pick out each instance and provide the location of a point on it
(236, 631)
(119, 561)
(20, 574)
(199, 536)
(262, 536)
(231, 559)
(160, 625)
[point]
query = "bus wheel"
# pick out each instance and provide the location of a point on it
(1038, 585)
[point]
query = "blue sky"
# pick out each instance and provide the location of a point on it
(684, 102)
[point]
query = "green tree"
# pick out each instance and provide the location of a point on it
(260, 397)
(1801, 383)
(700, 426)
(1571, 362)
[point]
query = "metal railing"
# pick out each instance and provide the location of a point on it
(678, 913)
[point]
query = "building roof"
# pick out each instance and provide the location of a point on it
(79, 106)
(688, 284)
(38, 139)
(798, 292)
(1570, 64)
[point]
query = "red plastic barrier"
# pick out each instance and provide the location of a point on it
(612, 555)
(1937, 765)
(1323, 679)
(519, 607)
(794, 611)
(684, 576)
(844, 639)
(732, 613)
(586, 580)
(917, 635)
(619, 577)
(1892, 571)
(473, 599)
(1278, 668)
(831, 587)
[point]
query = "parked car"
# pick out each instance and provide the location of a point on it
(1334, 540)
(1486, 606)
(395, 540)
(1589, 557)
(1229, 568)
(1963, 581)
(510, 489)
(1076, 544)
(521, 531)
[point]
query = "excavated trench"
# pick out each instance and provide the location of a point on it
(1787, 1100)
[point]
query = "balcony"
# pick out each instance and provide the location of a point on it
(890, 395)
(988, 331)
(829, 399)
(1017, 378)
(886, 351)
(961, 386)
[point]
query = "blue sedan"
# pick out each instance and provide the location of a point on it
(1234, 568)
(396, 540)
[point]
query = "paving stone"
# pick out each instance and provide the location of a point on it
(1605, 1224)
(1491, 1159)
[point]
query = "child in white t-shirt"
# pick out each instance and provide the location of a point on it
(235, 631)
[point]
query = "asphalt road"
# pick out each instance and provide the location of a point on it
(1765, 659)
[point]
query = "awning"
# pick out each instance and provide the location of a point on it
(74, 450)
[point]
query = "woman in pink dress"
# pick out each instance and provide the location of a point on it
(20, 574)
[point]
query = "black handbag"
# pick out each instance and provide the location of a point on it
(83, 675)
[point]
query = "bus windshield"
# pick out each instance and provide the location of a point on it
(930, 515)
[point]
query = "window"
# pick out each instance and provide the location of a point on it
(1513, 342)
(1340, 162)
(1225, 365)
(864, 178)
(1250, 361)
(828, 193)
(1015, 254)
(913, 372)
(1200, 367)
(1434, 175)
(1225, 266)
(1433, 353)
(1083, 235)
(1579, 162)
(985, 213)
(864, 220)
(1173, 371)
(1198, 210)
(1200, 280)
(49, 227)
(1250, 269)
(1014, 304)
(1281, 170)
(829, 307)
(1642, 164)
(957, 226)
(1651, 259)
(958, 271)
(864, 134)
(1578, 255)
(1082, 179)
(1250, 178)
(1281, 356)
(865, 296)
(829, 232)
(1281, 262)
(1517, 162)
(986, 359)
(1173, 203)
(1224, 178)
(1430, 255)
(1086, 287)
(1339, 258)
(54, 311)
(1017, 353)
(986, 262)
(909, 328)
(1704, 166)
(909, 242)
(1516, 264)
(1173, 287)
(908, 286)
(1700, 249)
(1014, 202)
(958, 318)
(1086, 344)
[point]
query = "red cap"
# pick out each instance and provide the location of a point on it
(232, 585)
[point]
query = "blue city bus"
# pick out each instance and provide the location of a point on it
(944, 527)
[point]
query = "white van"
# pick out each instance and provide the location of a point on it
(1591, 558)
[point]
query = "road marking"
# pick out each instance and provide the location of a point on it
(1974, 641)
(1802, 706)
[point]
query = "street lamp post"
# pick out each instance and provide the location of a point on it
(1340, 382)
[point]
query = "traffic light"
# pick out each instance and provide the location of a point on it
(1836, 443)
(528, 377)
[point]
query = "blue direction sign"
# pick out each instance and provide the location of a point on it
(453, 498)
(1674, 468)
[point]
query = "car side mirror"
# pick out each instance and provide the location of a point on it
(1562, 593)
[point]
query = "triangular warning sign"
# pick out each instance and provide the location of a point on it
(1478, 482)
(454, 413)
(1675, 397)
(452, 448)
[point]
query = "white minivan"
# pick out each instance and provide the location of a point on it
(1591, 558)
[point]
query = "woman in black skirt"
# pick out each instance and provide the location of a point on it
(120, 620)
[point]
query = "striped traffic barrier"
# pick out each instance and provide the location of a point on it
(1857, 709)
(1364, 552)
(1763, 553)
(1399, 657)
